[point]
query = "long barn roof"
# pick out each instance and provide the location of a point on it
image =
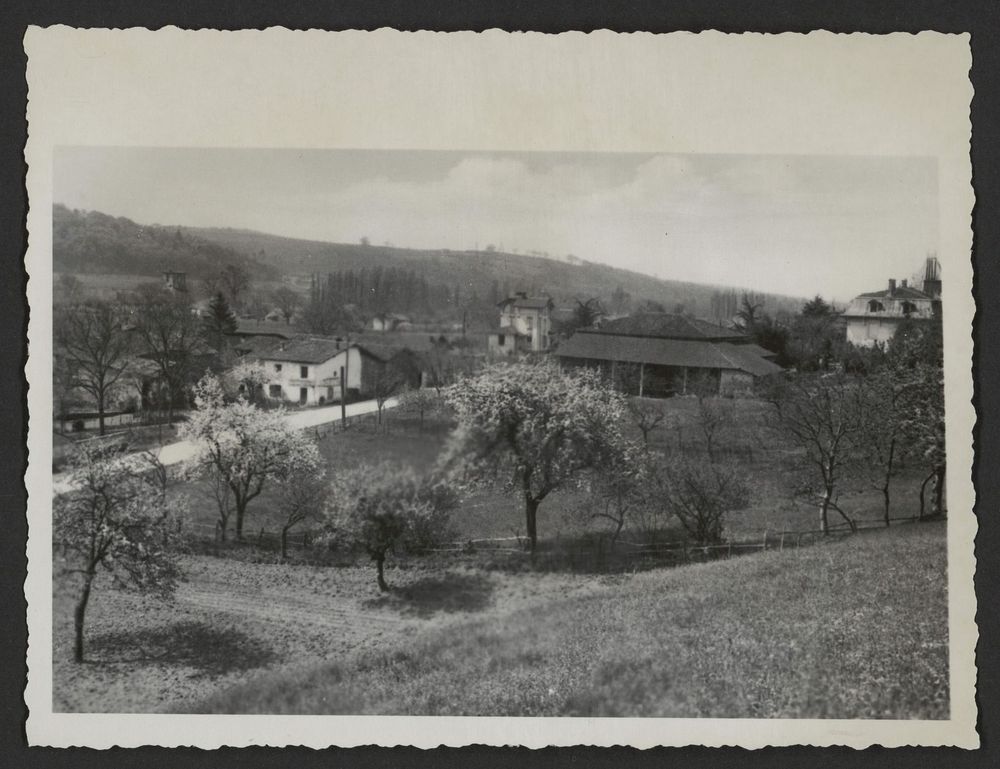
(665, 325)
(666, 352)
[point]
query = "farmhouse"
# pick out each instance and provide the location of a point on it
(872, 318)
(525, 325)
(307, 370)
(661, 354)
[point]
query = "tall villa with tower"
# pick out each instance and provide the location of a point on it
(872, 318)
(525, 325)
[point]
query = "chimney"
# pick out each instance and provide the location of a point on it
(903, 283)
(892, 286)
(932, 278)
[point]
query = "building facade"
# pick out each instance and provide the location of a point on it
(308, 371)
(873, 317)
(525, 326)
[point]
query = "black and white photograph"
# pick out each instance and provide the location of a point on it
(522, 433)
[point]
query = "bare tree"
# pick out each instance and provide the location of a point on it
(95, 347)
(713, 413)
(647, 416)
(170, 336)
(702, 495)
(387, 382)
(302, 496)
(235, 280)
(287, 301)
(820, 415)
(621, 486)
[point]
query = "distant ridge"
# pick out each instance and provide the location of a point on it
(95, 243)
(565, 281)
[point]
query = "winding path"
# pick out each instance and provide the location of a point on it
(174, 453)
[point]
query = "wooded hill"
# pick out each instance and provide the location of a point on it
(479, 271)
(89, 242)
(92, 242)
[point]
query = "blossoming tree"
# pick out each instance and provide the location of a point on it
(117, 519)
(533, 428)
(386, 507)
(243, 449)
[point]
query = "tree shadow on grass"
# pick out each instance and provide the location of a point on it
(211, 651)
(449, 593)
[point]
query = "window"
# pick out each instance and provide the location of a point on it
(277, 367)
(274, 391)
(500, 339)
(304, 372)
(875, 306)
(909, 308)
(531, 322)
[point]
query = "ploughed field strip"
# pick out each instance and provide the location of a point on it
(310, 612)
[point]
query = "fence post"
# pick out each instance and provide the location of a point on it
(260, 536)
(781, 545)
(730, 554)
(764, 543)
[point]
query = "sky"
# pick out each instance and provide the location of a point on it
(797, 225)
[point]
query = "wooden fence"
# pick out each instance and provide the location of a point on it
(596, 554)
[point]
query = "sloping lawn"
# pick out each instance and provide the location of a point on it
(849, 629)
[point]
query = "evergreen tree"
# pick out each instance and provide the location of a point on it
(220, 319)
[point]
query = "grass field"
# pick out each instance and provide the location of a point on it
(839, 630)
(848, 628)
(231, 619)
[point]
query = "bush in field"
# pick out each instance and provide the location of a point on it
(117, 518)
(242, 449)
(701, 494)
(384, 508)
(533, 428)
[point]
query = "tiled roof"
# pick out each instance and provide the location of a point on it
(900, 293)
(756, 349)
(300, 350)
(665, 352)
(665, 325)
(250, 327)
(527, 302)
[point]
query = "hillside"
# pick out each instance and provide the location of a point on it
(92, 243)
(474, 270)
(838, 630)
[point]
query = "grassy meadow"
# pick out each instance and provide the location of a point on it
(833, 631)
(853, 627)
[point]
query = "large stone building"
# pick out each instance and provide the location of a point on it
(873, 317)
